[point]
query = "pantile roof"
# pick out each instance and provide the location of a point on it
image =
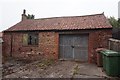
(96, 21)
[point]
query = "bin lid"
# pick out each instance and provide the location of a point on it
(110, 53)
(99, 49)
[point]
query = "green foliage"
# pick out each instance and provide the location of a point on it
(113, 22)
(119, 22)
(30, 16)
(76, 69)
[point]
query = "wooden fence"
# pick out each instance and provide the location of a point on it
(114, 44)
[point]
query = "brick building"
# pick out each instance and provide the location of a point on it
(1, 42)
(67, 38)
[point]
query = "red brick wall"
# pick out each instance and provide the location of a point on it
(49, 44)
(98, 39)
(6, 45)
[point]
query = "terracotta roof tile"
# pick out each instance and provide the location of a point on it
(63, 23)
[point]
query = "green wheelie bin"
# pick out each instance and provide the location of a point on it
(111, 62)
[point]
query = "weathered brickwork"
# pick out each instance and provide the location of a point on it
(6, 45)
(48, 46)
(98, 39)
(48, 42)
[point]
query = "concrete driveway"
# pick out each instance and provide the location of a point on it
(58, 69)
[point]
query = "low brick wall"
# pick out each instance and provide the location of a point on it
(114, 44)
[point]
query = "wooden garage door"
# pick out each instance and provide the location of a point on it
(74, 47)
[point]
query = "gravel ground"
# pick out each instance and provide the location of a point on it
(58, 69)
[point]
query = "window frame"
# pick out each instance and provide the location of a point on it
(32, 34)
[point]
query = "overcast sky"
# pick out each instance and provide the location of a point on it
(11, 10)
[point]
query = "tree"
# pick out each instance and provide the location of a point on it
(30, 16)
(114, 22)
(119, 22)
